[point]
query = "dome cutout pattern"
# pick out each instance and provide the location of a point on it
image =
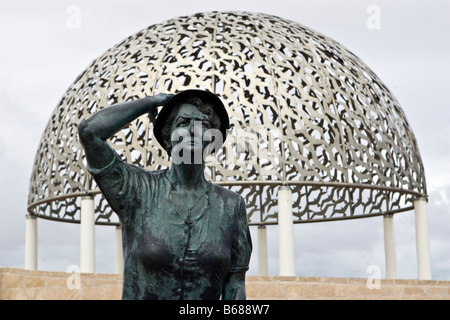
(305, 112)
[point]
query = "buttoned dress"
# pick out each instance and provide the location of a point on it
(171, 252)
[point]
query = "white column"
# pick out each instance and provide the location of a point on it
(263, 265)
(87, 250)
(422, 240)
(286, 232)
(389, 246)
(118, 261)
(31, 242)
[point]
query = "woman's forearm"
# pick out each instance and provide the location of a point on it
(108, 121)
(94, 131)
(234, 287)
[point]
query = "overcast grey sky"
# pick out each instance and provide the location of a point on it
(41, 55)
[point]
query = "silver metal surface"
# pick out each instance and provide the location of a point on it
(304, 110)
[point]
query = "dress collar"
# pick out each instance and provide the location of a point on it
(186, 213)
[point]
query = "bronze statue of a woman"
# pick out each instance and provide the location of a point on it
(183, 237)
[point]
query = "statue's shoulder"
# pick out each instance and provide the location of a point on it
(226, 194)
(159, 177)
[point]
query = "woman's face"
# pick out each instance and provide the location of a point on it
(187, 137)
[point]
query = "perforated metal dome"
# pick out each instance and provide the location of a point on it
(304, 110)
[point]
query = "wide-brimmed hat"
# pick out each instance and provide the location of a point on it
(205, 96)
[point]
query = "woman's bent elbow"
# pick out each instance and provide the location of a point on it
(85, 132)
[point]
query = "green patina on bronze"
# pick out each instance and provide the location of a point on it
(183, 237)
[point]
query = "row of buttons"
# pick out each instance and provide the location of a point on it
(189, 223)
